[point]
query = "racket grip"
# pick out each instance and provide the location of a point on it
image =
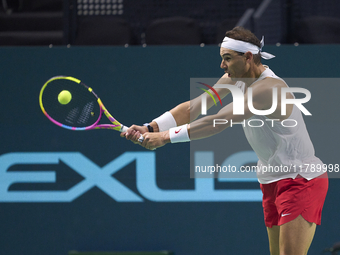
(124, 129)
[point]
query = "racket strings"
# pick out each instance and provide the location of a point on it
(86, 113)
(72, 115)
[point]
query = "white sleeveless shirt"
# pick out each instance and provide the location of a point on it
(283, 152)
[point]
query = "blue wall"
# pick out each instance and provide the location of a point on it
(136, 84)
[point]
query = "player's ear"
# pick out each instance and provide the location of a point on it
(248, 55)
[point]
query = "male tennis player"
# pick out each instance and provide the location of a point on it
(292, 201)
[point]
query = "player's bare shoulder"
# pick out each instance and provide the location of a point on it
(262, 91)
(263, 94)
(264, 88)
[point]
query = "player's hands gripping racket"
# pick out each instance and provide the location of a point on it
(70, 104)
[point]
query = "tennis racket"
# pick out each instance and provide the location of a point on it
(81, 110)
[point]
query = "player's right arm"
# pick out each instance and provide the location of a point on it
(183, 113)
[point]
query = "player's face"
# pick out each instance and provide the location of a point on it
(233, 63)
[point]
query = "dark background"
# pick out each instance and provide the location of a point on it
(160, 22)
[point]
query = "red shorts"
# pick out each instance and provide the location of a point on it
(286, 199)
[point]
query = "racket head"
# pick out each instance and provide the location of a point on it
(83, 112)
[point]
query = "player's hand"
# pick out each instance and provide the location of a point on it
(153, 141)
(134, 132)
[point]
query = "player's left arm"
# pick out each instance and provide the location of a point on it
(204, 127)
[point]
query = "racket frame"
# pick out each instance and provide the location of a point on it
(115, 124)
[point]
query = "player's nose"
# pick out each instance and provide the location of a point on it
(223, 65)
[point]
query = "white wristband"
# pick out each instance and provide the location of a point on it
(165, 122)
(179, 134)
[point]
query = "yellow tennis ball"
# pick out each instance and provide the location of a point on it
(64, 97)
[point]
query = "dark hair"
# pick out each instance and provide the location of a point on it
(242, 34)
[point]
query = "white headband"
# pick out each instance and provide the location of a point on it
(242, 46)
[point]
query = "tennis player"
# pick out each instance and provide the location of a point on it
(292, 201)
